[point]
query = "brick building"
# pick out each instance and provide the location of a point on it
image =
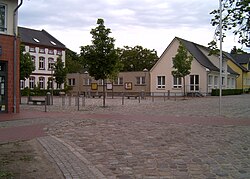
(9, 57)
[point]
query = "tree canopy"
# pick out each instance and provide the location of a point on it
(60, 71)
(235, 18)
(26, 64)
(137, 58)
(72, 61)
(101, 57)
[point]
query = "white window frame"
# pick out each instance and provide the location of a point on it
(22, 84)
(177, 82)
(118, 81)
(51, 63)
(216, 82)
(33, 59)
(210, 80)
(41, 63)
(32, 82)
(72, 81)
(140, 80)
(3, 28)
(161, 82)
(41, 50)
(41, 82)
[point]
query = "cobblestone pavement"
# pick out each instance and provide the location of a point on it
(149, 140)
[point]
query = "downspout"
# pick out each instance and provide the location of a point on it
(15, 57)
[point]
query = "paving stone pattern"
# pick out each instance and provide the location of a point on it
(148, 140)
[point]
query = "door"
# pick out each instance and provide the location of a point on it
(3, 87)
(194, 83)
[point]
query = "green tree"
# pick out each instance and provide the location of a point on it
(101, 57)
(237, 51)
(72, 62)
(182, 64)
(137, 58)
(235, 17)
(60, 71)
(26, 64)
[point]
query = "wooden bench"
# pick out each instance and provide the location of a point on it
(96, 95)
(132, 96)
(36, 101)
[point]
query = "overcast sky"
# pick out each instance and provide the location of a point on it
(149, 23)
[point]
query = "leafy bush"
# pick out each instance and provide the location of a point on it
(216, 92)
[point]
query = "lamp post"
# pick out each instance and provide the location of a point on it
(86, 83)
(220, 81)
(145, 70)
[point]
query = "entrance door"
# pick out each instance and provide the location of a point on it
(194, 83)
(3, 87)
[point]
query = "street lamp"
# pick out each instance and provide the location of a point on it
(85, 74)
(145, 70)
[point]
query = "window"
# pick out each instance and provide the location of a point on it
(161, 82)
(41, 82)
(100, 82)
(22, 85)
(177, 82)
(194, 83)
(88, 81)
(216, 81)
(41, 63)
(51, 52)
(32, 82)
(223, 81)
(33, 59)
(58, 86)
(140, 80)
(41, 50)
(118, 81)
(59, 52)
(3, 26)
(71, 81)
(32, 49)
(51, 64)
(210, 80)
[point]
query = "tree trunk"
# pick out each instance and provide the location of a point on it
(103, 92)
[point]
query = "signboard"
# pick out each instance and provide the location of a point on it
(94, 86)
(109, 86)
(128, 85)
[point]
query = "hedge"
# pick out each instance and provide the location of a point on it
(216, 92)
(41, 92)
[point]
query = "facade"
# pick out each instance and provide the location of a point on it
(244, 61)
(9, 57)
(204, 74)
(44, 50)
(126, 82)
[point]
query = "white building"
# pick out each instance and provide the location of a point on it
(44, 50)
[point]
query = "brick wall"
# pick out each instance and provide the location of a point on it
(7, 43)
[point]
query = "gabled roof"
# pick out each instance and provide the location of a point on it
(37, 37)
(241, 58)
(198, 55)
(228, 55)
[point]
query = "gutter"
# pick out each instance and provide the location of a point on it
(15, 57)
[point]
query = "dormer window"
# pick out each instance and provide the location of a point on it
(3, 26)
(53, 43)
(36, 40)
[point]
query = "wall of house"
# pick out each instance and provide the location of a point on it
(7, 43)
(164, 68)
(82, 83)
(45, 73)
(239, 80)
(11, 5)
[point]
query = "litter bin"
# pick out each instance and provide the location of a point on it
(48, 98)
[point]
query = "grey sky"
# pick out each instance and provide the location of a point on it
(150, 23)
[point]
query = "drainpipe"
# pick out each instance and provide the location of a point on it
(15, 57)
